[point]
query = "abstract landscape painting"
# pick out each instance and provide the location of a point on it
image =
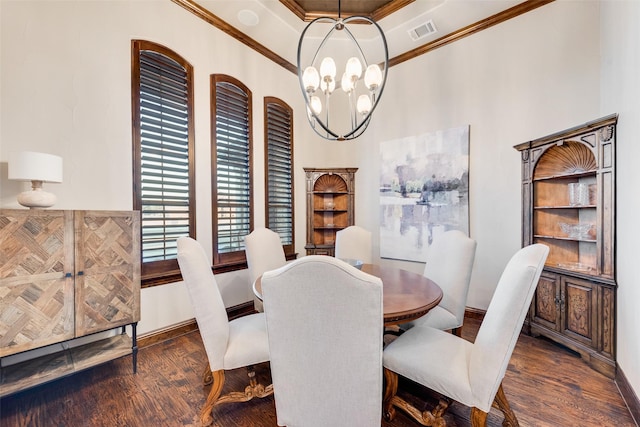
(424, 191)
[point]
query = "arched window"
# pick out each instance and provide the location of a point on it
(231, 177)
(278, 130)
(163, 156)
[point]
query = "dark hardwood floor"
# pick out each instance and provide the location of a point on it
(546, 385)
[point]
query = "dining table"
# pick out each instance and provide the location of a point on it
(406, 296)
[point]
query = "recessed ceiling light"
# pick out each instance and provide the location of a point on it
(248, 17)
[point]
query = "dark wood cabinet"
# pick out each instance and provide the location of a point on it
(330, 207)
(568, 204)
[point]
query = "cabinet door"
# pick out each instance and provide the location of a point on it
(36, 296)
(546, 308)
(107, 270)
(579, 298)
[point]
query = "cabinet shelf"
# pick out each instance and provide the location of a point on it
(63, 363)
(565, 207)
(329, 193)
(573, 239)
(565, 176)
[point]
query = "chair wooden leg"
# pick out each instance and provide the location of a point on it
(426, 418)
(207, 376)
(501, 402)
(254, 389)
(390, 390)
(478, 418)
(212, 399)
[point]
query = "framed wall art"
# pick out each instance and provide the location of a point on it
(424, 191)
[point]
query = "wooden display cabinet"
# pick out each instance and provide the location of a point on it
(330, 207)
(568, 204)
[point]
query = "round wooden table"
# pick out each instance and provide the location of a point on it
(406, 296)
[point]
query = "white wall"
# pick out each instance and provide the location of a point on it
(620, 87)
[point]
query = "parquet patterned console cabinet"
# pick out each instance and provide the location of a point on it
(568, 201)
(65, 275)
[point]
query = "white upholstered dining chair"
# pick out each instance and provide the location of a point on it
(264, 252)
(449, 264)
(354, 242)
(325, 324)
(470, 373)
(229, 344)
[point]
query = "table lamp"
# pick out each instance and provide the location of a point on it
(37, 168)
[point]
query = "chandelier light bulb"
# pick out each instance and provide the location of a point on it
(346, 83)
(364, 104)
(354, 68)
(316, 105)
(373, 77)
(328, 68)
(311, 79)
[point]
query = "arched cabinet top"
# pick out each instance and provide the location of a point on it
(565, 159)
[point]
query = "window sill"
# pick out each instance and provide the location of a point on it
(175, 276)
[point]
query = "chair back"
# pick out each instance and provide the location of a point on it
(503, 321)
(354, 242)
(264, 252)
(206, 301)
(325, 328)
(449, 264)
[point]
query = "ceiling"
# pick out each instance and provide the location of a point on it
(277, 24)
(375, 9)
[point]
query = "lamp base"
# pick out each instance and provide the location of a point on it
(36, 199)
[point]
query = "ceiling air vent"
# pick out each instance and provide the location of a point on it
(423, 30)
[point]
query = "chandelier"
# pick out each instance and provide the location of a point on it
(340, 106)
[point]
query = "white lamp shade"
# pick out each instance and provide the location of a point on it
(311, 79)
(328, 68)
(316, 105)
(354, 68)
(32, 166)
(373, 77)
(346, 83)
(364, 104)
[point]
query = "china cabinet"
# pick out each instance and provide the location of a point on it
(330, 207)
(568, 204)
(66, 275)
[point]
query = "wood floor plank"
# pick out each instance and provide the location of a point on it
(546, 385)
